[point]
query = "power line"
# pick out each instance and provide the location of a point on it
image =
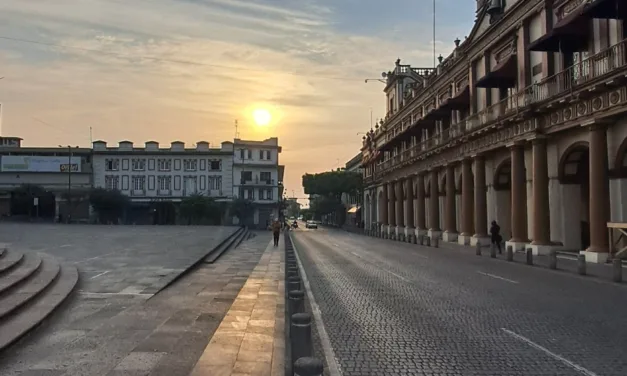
(187, 62)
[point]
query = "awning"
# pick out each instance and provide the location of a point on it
(353, 209)
(607, 9)
(560, 43)
(458, 102)
(502, 76)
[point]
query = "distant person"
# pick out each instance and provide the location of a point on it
(276, 232)
(495, 235)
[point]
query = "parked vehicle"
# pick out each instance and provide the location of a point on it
(311, 224)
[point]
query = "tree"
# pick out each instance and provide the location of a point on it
(243, 209)
(23, 198)
(328, 188)
(200, 209)
(110, 204)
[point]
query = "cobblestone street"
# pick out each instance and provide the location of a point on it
(400, 309)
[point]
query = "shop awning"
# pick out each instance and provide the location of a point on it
(503, 75)
(460, 101)
(607, 9)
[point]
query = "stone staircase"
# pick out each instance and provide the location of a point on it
(32, 286)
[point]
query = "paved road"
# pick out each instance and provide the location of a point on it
(399, 309)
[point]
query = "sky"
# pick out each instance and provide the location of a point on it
(185, 70)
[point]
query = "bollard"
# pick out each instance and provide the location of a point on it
(493, 251)
(293, 283)
(292, 273)
(436, 240)
(422, 239)
(296, 302)
(581, 264)
(428, 240)
(529, 254)
(478, 249)
(617, 266)
(308, 367)
(300, 335)
(413, 238)
(553, 259)
(510, 253)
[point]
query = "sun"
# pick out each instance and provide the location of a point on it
(262, 117)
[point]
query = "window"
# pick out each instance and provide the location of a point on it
(248, 194)
(139, 164)
(164, 183)
(190, 164)
(269, 194)
(139, 183)
(112, 182)
(250, 154)
(215, 183)
(242, 154)
(112, 164)
(216, 165)
(247, 176)
(165, 164)
(268, 154)
(265, 177)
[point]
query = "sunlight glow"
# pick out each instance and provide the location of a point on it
(262, 117)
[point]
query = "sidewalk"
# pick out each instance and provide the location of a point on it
(250, 339)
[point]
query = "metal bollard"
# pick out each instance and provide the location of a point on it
(553, 259)
(428, 241)
(293, 283)
(510, 253)
(493, 251)
(300, 335)
(529, 255)
(291, 273)
(308, 367)
(413, 238)
(436, 241)
(478, 249)
(581, 264)
(296, 301)
(617, 266)
(422, 239)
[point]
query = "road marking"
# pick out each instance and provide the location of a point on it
(99, 274)
(327, 348)
(572, 365)
(97, 257)
(379, 266)
(65, 245)
(497, 277)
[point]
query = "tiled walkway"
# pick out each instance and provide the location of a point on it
(250, 338)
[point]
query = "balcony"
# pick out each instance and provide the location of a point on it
(574, 79)
(257, 181)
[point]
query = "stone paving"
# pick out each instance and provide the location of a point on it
(135, 334)
(251, 339)
(399, 309)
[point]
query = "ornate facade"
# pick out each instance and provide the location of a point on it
(525, 123)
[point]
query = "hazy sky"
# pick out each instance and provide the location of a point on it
(184, 70)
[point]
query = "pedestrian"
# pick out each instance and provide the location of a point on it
(495, 234)
(276, 232)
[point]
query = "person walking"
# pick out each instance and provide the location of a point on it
(276, 232)
(495, 235)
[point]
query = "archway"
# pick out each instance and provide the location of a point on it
(381, 206)
(427, 202)
(503, 198)
(574, 179)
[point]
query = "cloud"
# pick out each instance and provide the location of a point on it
(172, 69)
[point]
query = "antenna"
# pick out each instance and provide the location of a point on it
(434, 64)
(236, 129)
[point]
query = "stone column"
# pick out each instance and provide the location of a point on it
(468, 228)
(434, 204)
(599, 195)
(391, 208)
(420, 200)
(450, 235)
(481, 204)
(519, 197)
(409, 207)
(400, 216)
(541, 230)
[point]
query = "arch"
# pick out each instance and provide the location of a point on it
(442, 187)
(620, 162)
(503, 176)
(573, 167)
(380, 205)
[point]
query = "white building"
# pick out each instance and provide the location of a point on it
(256, 177)
(152, 173)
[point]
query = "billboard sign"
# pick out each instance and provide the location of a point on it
(30, 163)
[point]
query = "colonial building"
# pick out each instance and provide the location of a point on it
(351, 201)
(48, 176)
(525, 123)
(258, 177)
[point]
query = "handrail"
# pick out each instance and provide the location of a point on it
(567, 80)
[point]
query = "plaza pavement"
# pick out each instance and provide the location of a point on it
(392, 308)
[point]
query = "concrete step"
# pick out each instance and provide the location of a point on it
(10, 261)
(16, 325)
(3, 251)
(20, 273)
(29, 289)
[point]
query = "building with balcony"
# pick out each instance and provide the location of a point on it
(353, 202)
(257, 177)
(48, 176)
(151, 173)
(525, 124)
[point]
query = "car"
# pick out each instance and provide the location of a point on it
(311, 224)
